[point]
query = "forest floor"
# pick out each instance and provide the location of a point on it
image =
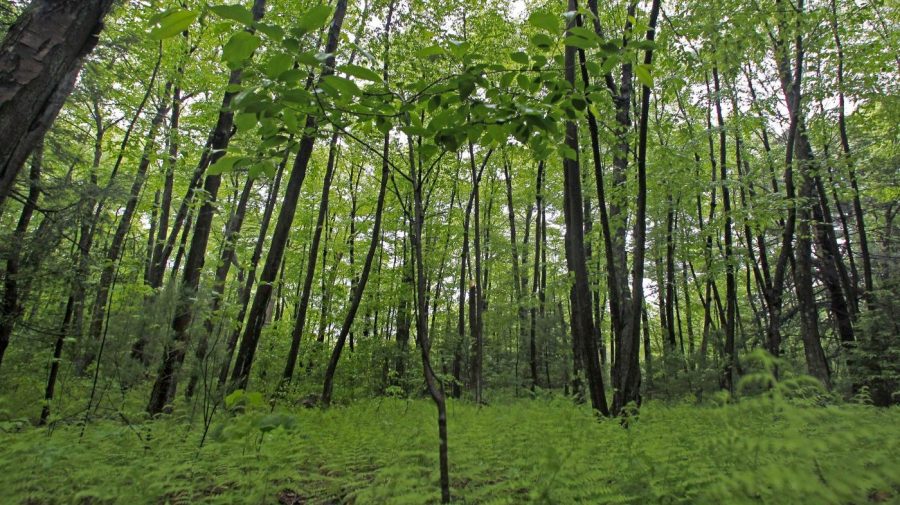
(525, 451)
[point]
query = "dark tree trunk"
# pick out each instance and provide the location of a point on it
(729, 377)
(168, 185)
(256, 318)
(670, 276)
(55, 361)
(247, 288)
(582, 317)
(476, 287)
(360, 286)
(226, 259)
(11, 306)
(117, 245)
(173, 356)
(435, 388)
(536, 293)
(630, 391)
(514, 247)
(845, 146)
(306, 290)
(39, 60)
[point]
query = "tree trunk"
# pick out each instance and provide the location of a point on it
(117, 245)
(247, 288)
(729, 377)
(173, 356)
(11, 304)
(300, 322)
(226, 259)
(536, 294)
(435, 388)
(256, 319)
(360, 286)
(39, 60)
(582, 317)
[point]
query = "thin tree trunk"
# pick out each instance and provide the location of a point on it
(435, 388)
(536, 293)
(11, 303)
(729, 377)
(256, 319)
(55, 361)
(582, 317)
(247, 288)
(306, 290)
(114, 252)
(845, 146)
(173, 356)
(360, 286)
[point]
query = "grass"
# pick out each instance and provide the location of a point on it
(761, 451)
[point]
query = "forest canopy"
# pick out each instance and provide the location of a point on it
(301, 227)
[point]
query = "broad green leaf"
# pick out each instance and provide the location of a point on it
(307, 58)
(239, 48)
(274, 32)
(245, 121)
(544, 21)
(237, 13)
(567, 152)
(360, 72)
(519, 57)
(643, 73)
(430, 51)
(466, 86)
(342, 84)
(266, 167)
(579, 42)
(222, 165)
(314, 18)
(278, 64)
(542, 40)
(172, 23)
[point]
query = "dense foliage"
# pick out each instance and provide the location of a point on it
(633, 252)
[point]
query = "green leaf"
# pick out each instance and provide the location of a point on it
(342, 84)
(568, 153)
(542, 40)
(430, 51)
(172, 23)
(237, 13)
(266, 167)
(307, 58)
(239, 48)
(519, 57)
(544, 21)
(642, 72)
(360, 72)
(245, 121)
(222, 165)
(278, 64)
(314, 18)
(466, 86)
(579, 42)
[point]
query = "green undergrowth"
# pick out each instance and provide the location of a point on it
(545, 451)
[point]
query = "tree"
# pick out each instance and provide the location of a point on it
(41, 56)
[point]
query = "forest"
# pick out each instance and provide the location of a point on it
(410, 251)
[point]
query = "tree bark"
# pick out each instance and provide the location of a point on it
(39, 60)
(582, 317)
(11, 305)
(256, 318)
(306, 290)
(164, 387)
(117, 245)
